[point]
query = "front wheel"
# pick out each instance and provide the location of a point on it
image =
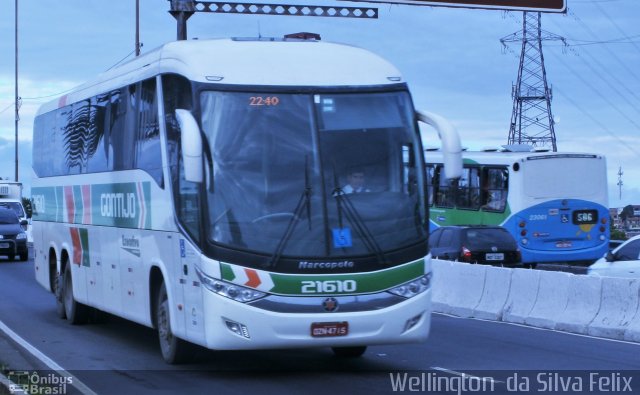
(349, 352)
(174, 350)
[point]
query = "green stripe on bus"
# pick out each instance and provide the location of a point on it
(330, 284)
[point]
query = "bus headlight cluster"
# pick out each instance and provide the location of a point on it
(413, 288)
(21, 236)
(229, 290)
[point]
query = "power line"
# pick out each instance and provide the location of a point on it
(615, 24)
(613, 54)
(597, 122)
(598, 93)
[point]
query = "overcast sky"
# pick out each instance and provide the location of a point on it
(451, 58)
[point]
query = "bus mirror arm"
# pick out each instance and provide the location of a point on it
(191, 142)
(451, 146)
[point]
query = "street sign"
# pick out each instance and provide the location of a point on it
(509, 5)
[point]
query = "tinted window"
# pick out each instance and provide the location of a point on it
(447, 238)
(15, 207)
(8, 217)
(487, 238)
(148, 154)
(629, 252)
(433, 239)
(118, 130)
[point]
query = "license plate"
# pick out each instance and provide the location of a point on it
(495, 256)
(563, 244)
(329, 329)
(5, 245)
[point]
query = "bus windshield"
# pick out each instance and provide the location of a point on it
(313, 175)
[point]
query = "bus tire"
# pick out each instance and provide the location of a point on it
(174, 350)
(58, 292)
(349, 352)
(76, 312)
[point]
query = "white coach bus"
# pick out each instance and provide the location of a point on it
(198, 189)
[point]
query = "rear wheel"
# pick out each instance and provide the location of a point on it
(76, 312)
(58, 282)
(174, 350)
(349, 352)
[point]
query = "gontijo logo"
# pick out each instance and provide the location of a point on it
(118, 205)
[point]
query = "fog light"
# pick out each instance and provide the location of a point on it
(602, 238)
(237, 328)
(524, 241)
(411, 322)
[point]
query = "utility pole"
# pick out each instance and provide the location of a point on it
(619, 184)
(17, 99)
(137, 27)
(531, 119)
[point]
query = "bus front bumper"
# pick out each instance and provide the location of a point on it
(230, 325)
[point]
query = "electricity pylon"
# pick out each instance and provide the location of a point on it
(531, 120)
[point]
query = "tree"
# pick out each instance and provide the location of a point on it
(28, 208)
(627, 212)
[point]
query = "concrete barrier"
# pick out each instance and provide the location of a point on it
(584, 298)
(469, 281)
(495, 293)
(442, 288)
(632, 333)
(523, 293)
(598, 306)
(619, 305)
(552, 299)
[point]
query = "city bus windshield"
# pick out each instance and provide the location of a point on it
(313, 175)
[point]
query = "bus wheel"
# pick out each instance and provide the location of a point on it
(76, 312)
(59, 293)
(349, 352)
(174, 350)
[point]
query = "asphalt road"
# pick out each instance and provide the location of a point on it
(121, 357)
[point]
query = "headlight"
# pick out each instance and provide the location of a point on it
(21, 236)
(229, 290)
(413, 288)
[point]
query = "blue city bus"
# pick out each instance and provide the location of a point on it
(554, 204)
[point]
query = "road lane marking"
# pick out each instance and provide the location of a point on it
(462, 374)
(79, 385)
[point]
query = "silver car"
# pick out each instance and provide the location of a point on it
(622, 261)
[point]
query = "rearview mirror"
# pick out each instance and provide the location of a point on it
(191, 142)
(450, 139)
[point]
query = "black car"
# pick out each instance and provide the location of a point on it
(491, 245)
(13, 240)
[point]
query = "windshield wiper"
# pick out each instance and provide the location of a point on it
(304, 201)
(354, 217)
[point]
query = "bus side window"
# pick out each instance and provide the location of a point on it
(177, 94)
(430, 179)
(495, 185)
(445, 192)
(468, 196)
(148, 154)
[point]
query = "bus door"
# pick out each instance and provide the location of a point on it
(189, 288)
